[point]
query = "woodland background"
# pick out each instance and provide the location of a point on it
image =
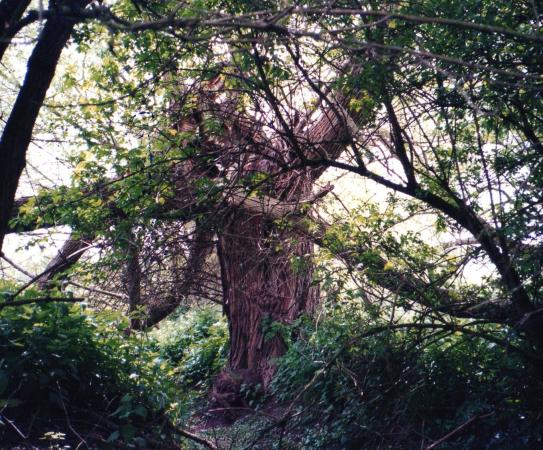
(273, 224)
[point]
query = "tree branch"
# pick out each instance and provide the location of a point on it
(11, 12)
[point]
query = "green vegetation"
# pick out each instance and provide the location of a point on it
(65, 368)
(337, 386)
(284, 224)
(196, 343)
(400, 389)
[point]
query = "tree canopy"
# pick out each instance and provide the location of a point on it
(209, 143)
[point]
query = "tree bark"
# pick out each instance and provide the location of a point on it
(132, 282)
(11, 12)
(266, 272)
(262, 283)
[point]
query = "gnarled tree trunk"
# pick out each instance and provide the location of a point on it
(267, 277)
(266, 271)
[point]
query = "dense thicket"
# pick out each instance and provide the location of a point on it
(205, 142)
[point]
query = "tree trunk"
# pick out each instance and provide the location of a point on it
(267, 278)
(267, 281)
(266, 271)
(20, 124)
(132, 282)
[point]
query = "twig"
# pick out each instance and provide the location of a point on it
(99, 291)
(15, 265)
(241, 408)
(457, 430)
(45, 272)
(12, 423)
(81, 440)
(193, 437)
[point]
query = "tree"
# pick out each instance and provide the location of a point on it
(42, 63)
(420, 99)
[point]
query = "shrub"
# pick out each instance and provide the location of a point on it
(405, 389)
(64, 368)
(196, 342)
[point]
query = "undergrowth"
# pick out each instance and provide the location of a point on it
(406, 389)
(70, 376)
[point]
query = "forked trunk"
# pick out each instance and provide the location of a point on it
(267, 273)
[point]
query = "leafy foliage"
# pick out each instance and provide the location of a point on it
(196, 343)
(398, 389)
(70, 367)
(181, 108)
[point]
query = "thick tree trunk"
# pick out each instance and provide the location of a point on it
(267, 272)
(266, 278)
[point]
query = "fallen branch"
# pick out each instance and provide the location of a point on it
(457, 430)
(193, 437)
